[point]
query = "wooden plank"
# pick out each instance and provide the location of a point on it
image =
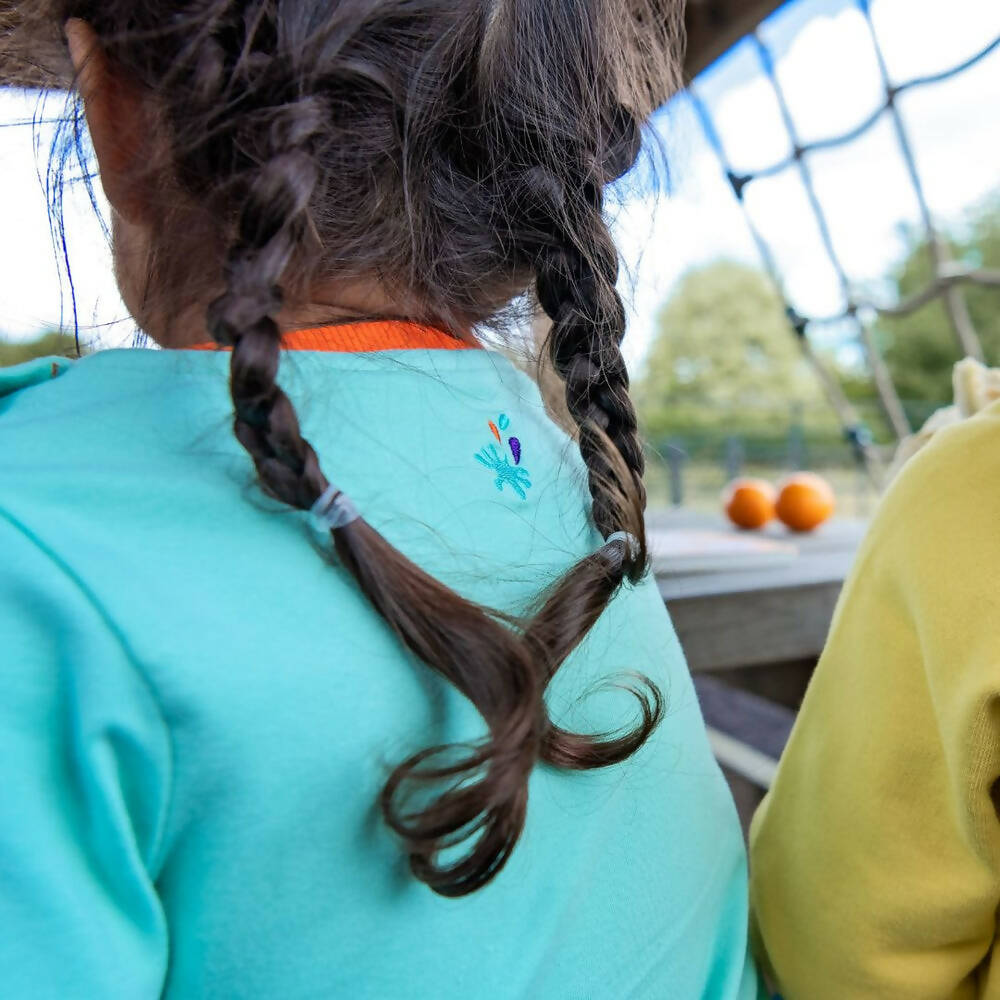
(32, 55)
(808, 570)
(772, 614)
(745, 718)
(713, 26)
(747, 734)
(696, 551)
(742, 759)
(755, 626)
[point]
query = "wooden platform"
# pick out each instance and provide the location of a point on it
(748, 616)
(748, 735)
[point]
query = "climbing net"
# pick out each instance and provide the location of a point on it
(948, 276)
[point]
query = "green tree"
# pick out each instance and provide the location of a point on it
(53, 344)
(724, 356)
(920, 349)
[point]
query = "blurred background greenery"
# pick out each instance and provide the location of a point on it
(54, 343)
(725, 391)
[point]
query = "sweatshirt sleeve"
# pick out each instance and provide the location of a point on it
(875, 858)
(85, 764)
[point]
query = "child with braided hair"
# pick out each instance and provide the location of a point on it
(312, 724)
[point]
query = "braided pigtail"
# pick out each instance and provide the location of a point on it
(485, 785)
(271, 224)
(575, 285)
(455, 153)
(560, 176)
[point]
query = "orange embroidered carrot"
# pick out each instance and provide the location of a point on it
(493, 427)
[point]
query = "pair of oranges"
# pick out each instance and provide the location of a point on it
(803, 501)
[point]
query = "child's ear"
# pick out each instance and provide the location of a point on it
(117, 121)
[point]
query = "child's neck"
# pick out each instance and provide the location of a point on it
(328, 307)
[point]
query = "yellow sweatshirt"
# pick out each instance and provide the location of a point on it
(875, 858)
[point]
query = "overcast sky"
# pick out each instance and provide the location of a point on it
(826, 66)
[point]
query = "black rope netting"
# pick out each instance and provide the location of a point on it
(948, 275)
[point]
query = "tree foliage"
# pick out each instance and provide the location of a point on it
(920, 349)
(52, 344)
(724, 360)
(724, 354)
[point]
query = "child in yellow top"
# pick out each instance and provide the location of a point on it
(875, 858)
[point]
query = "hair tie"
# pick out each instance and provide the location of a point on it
(631, 542)
(333, 510)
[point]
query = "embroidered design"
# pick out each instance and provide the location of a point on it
(506, 474)
(518, 479)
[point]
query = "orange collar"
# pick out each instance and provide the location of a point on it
(383, 335)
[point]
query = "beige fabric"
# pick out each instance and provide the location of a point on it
(975, 387)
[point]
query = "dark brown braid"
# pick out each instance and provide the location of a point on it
(271, 226)
(458, 153)
(576, 288)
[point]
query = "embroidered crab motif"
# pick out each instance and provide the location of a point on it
(506, 474)
(518, 479)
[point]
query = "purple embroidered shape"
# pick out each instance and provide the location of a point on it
(515, 449)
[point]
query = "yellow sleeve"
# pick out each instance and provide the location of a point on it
(875, 858)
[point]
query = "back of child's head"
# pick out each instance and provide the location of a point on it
(457, 154)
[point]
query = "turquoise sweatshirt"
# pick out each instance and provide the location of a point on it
(198, 711)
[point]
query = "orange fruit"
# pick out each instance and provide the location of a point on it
(805, 501)
(749, 503)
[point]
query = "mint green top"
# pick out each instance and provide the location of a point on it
(198, 710)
